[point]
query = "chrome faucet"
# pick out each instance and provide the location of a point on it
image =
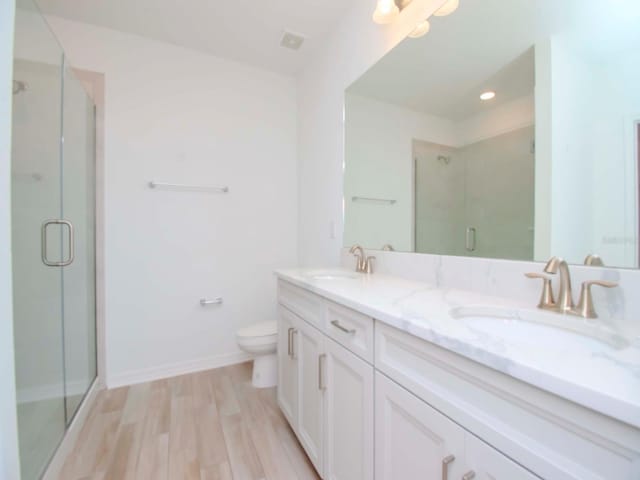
(360, 258)
(364, 264)
(564, 303)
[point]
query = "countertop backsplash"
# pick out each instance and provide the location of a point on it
(620, 307)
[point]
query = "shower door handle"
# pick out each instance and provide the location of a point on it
(71, 255)
(470, 239)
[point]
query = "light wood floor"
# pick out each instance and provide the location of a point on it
(207, 425)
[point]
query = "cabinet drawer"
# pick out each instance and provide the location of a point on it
(303, 303)
(350, 329)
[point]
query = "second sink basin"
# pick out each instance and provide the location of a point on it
(548, 329)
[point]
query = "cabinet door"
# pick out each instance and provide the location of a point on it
(287, 366)
(348, 400)
(413, 440)
(309, 344)
(489, 464)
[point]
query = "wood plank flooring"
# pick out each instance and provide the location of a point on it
(210, 425)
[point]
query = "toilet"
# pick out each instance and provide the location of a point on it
(260, 340)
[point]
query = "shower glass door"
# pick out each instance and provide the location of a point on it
(78, 206)
(53, 192)
(36, 197)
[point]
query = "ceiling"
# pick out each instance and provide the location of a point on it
(487, 45)
(247, 31)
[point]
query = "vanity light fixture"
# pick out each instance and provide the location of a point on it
(447, 9)
(421, 29)
(386, 12)
(487, 95)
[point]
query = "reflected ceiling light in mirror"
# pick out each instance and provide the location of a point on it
(447, 9)
(386, 12)
(421, 29)
(487, 95)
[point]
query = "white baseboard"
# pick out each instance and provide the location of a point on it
(71, 435)
(175, 369)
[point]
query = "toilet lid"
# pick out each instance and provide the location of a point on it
(262, 329)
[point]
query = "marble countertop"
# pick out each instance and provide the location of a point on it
(601, 375)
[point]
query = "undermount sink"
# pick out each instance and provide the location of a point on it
(548, 329)
(332, 275)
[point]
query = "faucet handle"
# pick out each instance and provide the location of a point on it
(585, 304)
(546, 299)
(368, 264)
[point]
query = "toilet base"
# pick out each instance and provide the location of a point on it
(265, 371)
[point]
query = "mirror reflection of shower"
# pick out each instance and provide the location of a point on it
(19, 86)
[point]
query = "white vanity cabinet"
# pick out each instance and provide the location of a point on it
(348, 402)
(415, 441)
(325, 390)
(311, 422)
(287, 366)
(437, 415)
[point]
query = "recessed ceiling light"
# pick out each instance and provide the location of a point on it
(447, 9)
(487, 95)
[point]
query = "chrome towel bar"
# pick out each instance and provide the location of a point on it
(390, 201)
(214, 301)
(184, 186)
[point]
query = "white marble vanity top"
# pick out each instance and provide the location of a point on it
(591, 373)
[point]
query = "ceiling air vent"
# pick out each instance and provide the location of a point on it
(291, 40)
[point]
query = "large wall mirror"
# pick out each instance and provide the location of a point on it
(510, 130)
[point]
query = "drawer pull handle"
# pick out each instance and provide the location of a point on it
(445, 465)
(469, 475)
(321, 385)
(336, 324)
(293, 343)
(289, 342)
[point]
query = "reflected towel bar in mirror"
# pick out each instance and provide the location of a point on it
(373, 200)
(182, 186)
(213, 301)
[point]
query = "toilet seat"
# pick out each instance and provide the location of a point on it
(261, 329)
(260, 334)
(261, 341)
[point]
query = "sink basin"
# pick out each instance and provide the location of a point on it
(548, 329)
(332, 275)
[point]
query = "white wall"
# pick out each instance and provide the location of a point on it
(379, 163)
(175, 115)
(586, 158)
(9, 463)
(354, 45)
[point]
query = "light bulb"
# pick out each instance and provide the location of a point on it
(487, 95)
(421, 29)
(447, 8)
(386, 11)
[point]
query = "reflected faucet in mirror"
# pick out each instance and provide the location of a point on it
(565, 304)
(593, 260)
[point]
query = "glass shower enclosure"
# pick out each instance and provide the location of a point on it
(53, 235)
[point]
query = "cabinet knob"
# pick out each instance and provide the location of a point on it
(469, 475)
(445, 466)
